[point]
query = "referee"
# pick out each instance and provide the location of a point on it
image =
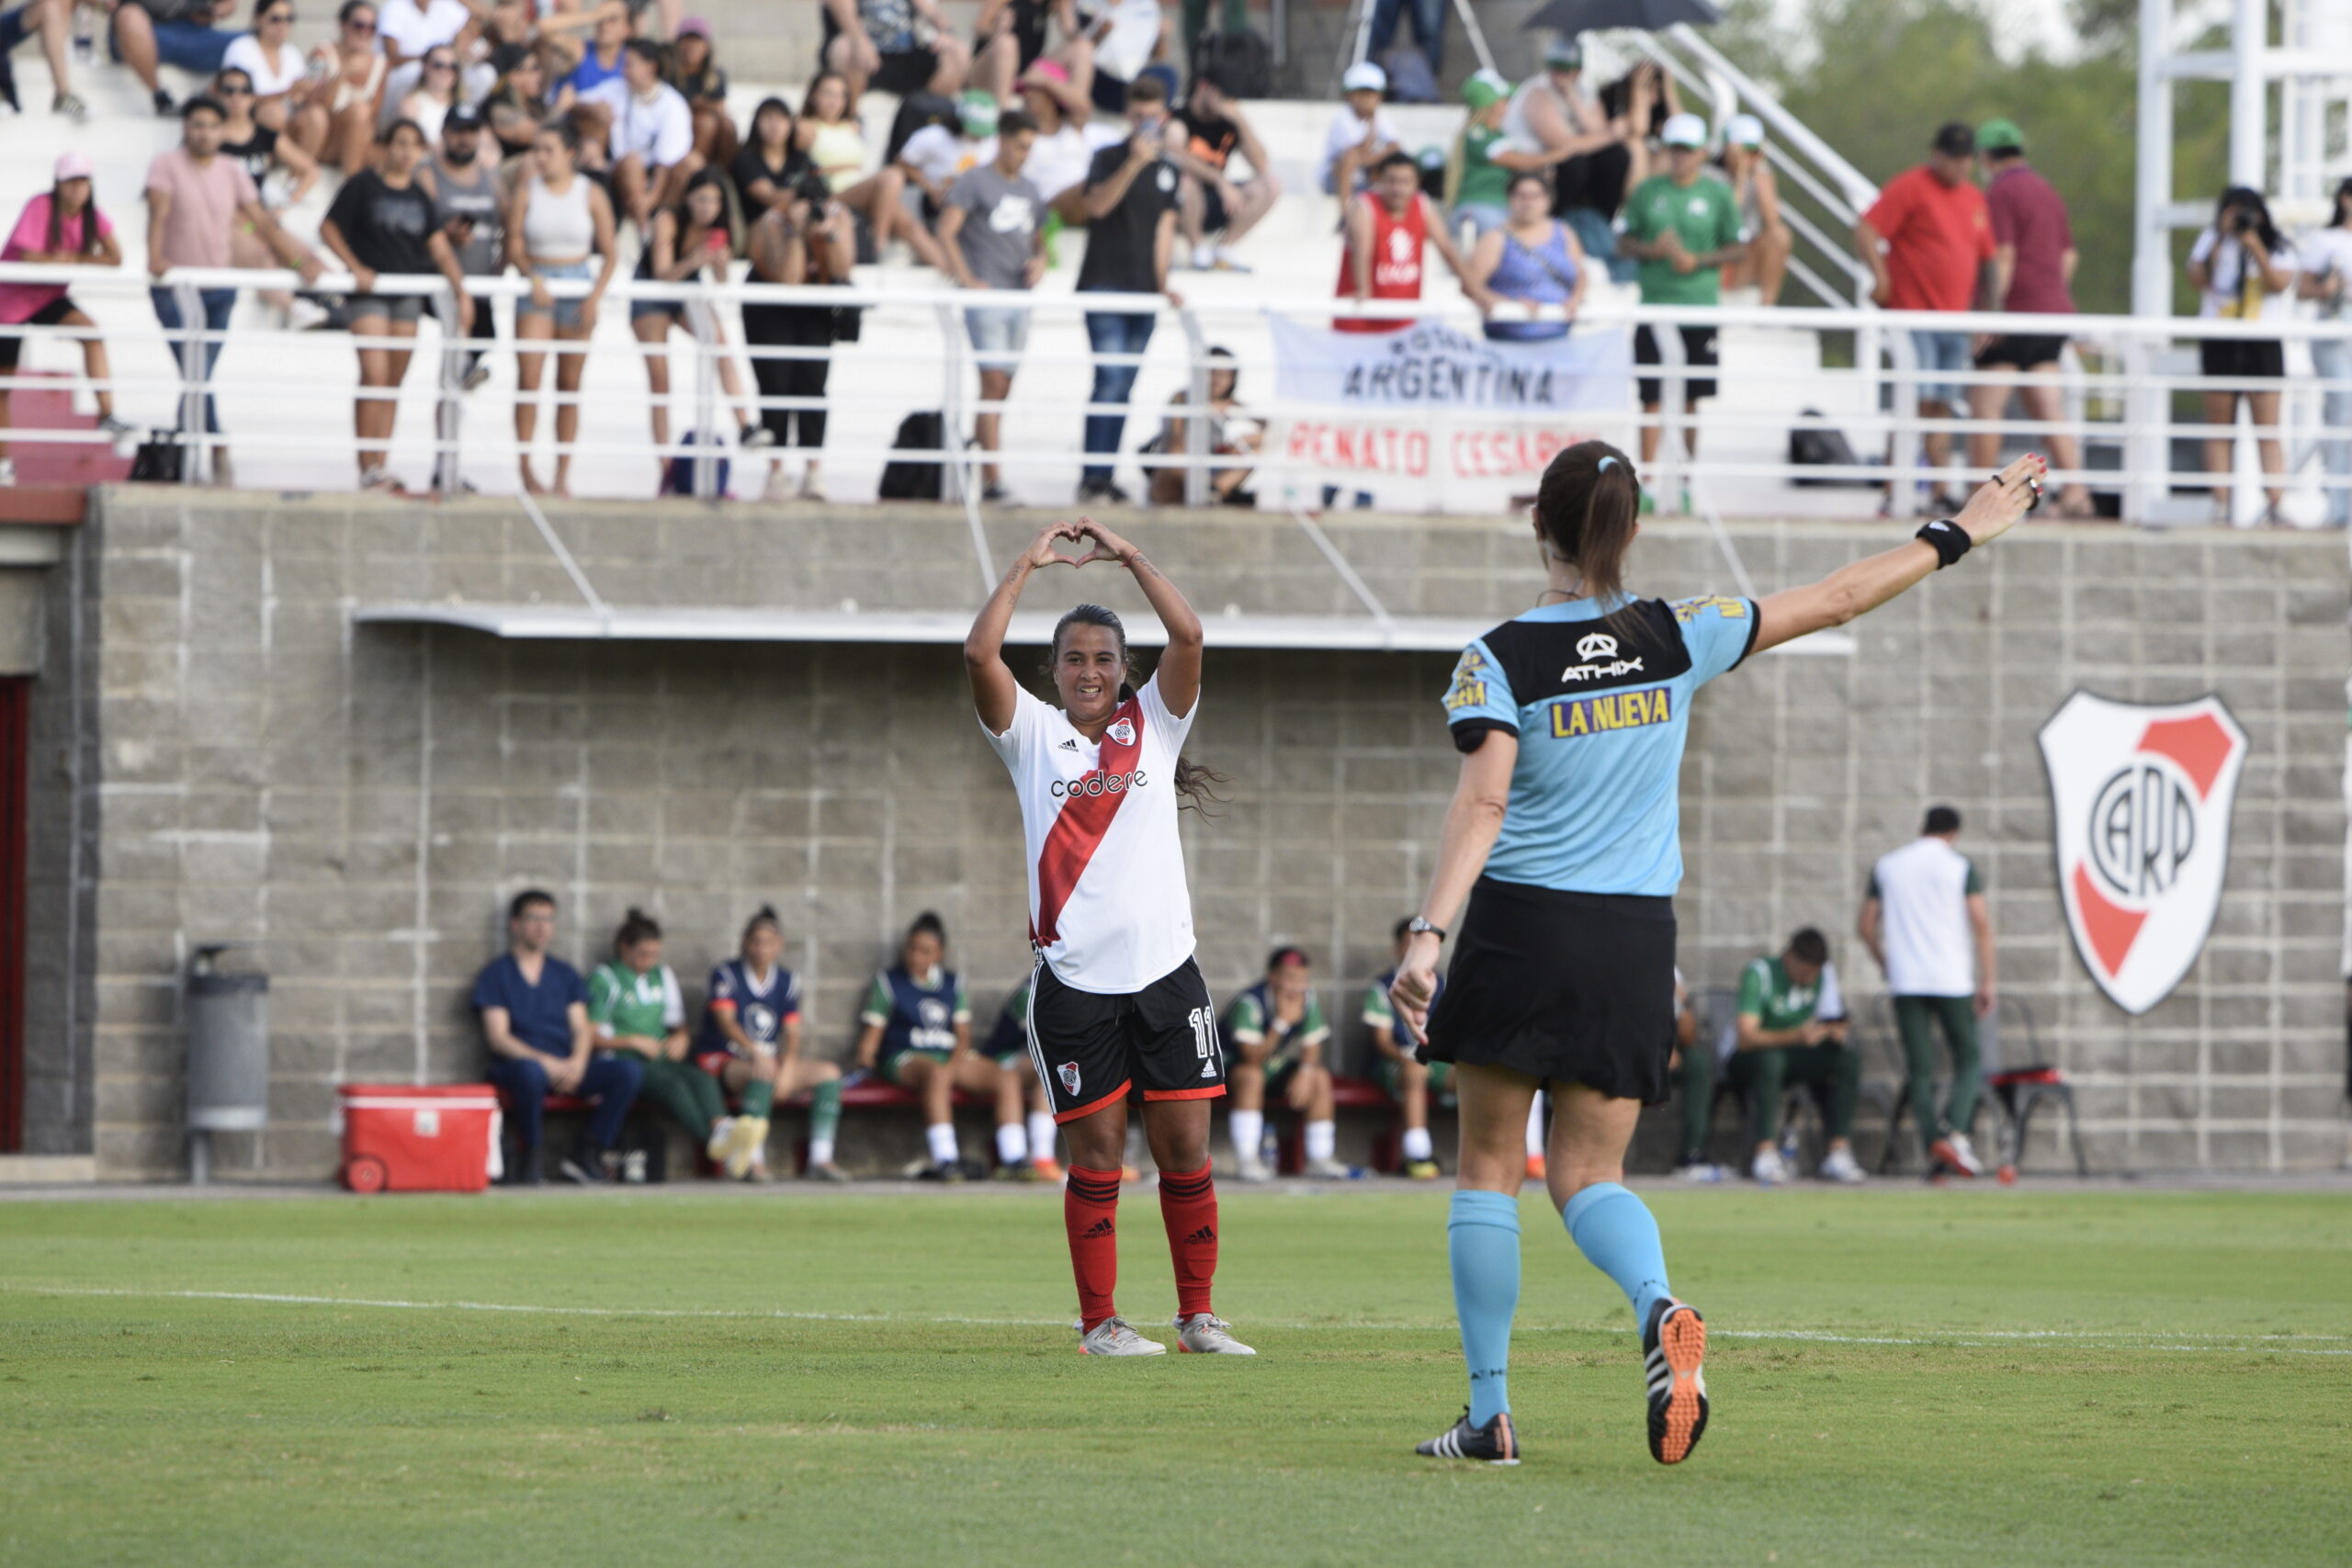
(1563, 837)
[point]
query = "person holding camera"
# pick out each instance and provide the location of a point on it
(2244, 270)
(806, 236)
(2328, 270)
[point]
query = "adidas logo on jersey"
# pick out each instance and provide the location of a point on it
(1069, 746)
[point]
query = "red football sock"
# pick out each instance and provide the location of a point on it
(1188, 1207)
(1090, 1213)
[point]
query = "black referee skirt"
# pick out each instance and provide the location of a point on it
(1570, 987)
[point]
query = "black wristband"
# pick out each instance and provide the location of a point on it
(1950, 540)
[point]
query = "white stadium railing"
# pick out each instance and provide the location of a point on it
(2123, 380)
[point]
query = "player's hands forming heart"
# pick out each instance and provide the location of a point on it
(1107, 545)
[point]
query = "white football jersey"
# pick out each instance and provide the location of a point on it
(1107, 901)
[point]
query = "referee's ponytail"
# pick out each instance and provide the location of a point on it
(1586, 506)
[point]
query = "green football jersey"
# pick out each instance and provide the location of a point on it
(621, 1001)
(1706, 216)
(1775, 1001)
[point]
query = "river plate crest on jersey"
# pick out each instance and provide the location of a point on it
(2141, 796)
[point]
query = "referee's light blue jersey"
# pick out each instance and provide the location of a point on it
(1601, 712)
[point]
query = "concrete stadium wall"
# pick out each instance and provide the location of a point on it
(222, 753)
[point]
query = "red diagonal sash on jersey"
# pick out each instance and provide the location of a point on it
(1085, 817)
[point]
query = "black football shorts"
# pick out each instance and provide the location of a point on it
(1091, 1050)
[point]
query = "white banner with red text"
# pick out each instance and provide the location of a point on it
(1429, 416)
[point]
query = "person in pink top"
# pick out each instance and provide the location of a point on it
(63, 227)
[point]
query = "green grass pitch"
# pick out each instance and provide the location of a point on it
(2037, 1376)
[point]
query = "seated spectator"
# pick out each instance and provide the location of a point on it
(1362, 134)
(936, 156)
(430, 102)
(694, 73)
(534, 1019)
(263, 151)
(751, 1044)
(1409, 1080)
(697, 239)
(806, 237)
(1277, 1026)
(635, 1008)
(336, 124)
(195, 196)
(1387, 229)
(893, 46)
(1485, 159)
(61, 228)
(411, 31)
(1210, 201)
(1593, 139)
(560, 33)
(991, 229)
(1068, 137)
(1129, 200)
(601, 61)
(381, 224)
(916, 1032)
(1532, 266)
(768, 165)
(1758, 190)
(652, 142)
(463, 181)
(53, 20)
(1008, 1047)
(272, 64)
(180, 33)
(1792, 1031)
(1126, 35)
(1230, 435)
(827, 133)
(1010, 38)
(559, 223)
(517, 106)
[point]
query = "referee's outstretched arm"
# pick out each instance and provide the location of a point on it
(1863, 586)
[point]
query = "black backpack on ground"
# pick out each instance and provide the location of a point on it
(1822, 446)
(1240, 64)
(911, 478)
(158, 459)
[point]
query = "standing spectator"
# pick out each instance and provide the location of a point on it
(1388, 229)
(694, 71)
(53, 20)
(1126, 37)
(1362, 134)
(337, 124)
(381, 223)
(1409, 1081)
(174, 32)
(653, 144)
(193, 195)
(1278, 1025)
(559, 223)
(1068, 137)
(434, 97)
(273, 65)
(1130, 202)
(463, 180)
(751, 1044)
(1211, 201)
(2328, 269)
(829, 134)
(893, 46)
(1925, 922)
(1477, 185)
(1429, 31)
(936, 156)
(534, 1014)
(261, 152)
(62, 228)
(1008, 1047)
(1792, 1031)
(804, 238)
(766, 167)
(635, 1008)
(916, 1032)
(696, 240)
(1532, 265)
(1756, 189)
(1684, 230)
(1929, 243)
(2033, 265)
(992, 232)
(2244, 270)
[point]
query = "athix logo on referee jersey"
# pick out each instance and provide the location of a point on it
(1592, 650)
(1573, 716)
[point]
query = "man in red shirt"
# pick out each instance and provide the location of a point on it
(2033, 265)
(1387, 227)
(1929, 243)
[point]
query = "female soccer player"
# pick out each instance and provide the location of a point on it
(635, 1005)
(1563, 837)
(1115, 1001)
(751, 1044)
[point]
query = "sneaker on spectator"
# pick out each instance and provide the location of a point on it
(305, 315)
(1769, 1169)
(1048, 1169)
(754, 435)
(811, 488)
(1102, 489)
(995, 494)
(1701, 1171)
(1839, 1165)
(474, 377)
(588, 1165)
(778, 487)
(1253, 1170)
(1954, 1150)
(945, 1170)
(71, 106)
(721, 1140)
(1421, 1170)
(164, 108)
(1327, 1171)
(828, 1171)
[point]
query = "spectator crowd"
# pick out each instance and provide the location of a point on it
(624, 1038)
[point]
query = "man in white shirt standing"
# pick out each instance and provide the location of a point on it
(653, 143)
(1925, 921)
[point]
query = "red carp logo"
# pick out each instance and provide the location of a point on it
(2142, 796)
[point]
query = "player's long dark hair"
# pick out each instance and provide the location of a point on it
(763, 915)
(1586, 505)
(635, 926)
(1195, 782)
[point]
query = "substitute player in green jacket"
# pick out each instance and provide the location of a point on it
(1792, 1030)
(634, 1005)
(1279, 1027)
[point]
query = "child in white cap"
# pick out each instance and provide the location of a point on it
(1362, 133)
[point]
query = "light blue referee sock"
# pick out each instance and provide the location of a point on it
(1616, 1234)
(1482, 1242)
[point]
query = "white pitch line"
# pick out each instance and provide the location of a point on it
(1985, 1338)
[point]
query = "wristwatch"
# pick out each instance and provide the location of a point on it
(1417, 925)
